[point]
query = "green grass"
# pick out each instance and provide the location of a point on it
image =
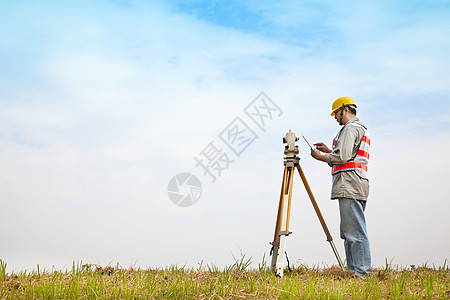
(233, 282)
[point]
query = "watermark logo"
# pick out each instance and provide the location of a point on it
(184, 189)
(217, 156)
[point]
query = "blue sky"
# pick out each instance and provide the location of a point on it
(102, 103)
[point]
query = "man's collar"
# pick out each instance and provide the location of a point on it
(355, 119)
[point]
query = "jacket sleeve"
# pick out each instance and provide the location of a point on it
(345, 148)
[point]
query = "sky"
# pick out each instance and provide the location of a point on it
(103, 104)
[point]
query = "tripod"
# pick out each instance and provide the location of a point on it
(292, 161)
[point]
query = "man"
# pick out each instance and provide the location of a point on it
(348, 158)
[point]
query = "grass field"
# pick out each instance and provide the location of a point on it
(86, 281)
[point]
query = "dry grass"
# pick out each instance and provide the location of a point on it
(208, 282)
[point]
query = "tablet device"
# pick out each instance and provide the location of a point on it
(309, 143)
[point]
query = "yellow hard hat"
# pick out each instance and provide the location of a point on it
(340, 102)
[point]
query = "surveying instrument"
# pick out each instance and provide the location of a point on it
(292, 161)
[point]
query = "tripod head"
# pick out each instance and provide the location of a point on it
(291, 150)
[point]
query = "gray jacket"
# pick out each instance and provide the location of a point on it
(348, 184)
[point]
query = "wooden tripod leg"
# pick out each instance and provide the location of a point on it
(319, 215)
(280, 206)
(276, 236)
(282, 226)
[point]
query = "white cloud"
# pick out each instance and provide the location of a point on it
(409, 211)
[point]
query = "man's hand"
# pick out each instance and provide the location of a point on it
(318, 155)
(322, 147)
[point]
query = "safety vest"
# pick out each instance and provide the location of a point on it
(359, 163)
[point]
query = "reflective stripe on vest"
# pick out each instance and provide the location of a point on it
(359, 163)
(351, 165)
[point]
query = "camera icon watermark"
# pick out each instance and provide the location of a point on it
(184, 189)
